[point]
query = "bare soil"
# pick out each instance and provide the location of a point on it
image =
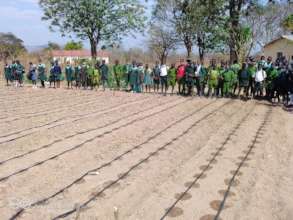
(70, 154)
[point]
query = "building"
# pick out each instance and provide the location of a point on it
(71, 56)
(282, 46)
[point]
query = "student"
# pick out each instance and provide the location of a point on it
(69, 72)
(164, 79)
(32, 75)
(180, 75)
(147, 78)
(139, 79)
(156, 76)
(104, 74)
(244, 80)
(227, 76)
(96, 76)
(189, 77)
(117, 70)
(57, 72)
(213, 76)
(52, 77)
(7, 74)
(132, 76)
(42, 73)
(84, 75)
(172, 77)
(19, 71)
(259, 78)
(77, 73)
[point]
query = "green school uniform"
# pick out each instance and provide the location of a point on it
(8, 72)
(42, 72)
(213, 76)
(228, 77)
(172, 77)
(69, 72)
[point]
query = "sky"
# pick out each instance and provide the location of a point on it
(23, 18)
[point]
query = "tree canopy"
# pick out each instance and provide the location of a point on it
(95, 20)
(10, 46)
(72, 45)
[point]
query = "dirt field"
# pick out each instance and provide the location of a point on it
(112, 155)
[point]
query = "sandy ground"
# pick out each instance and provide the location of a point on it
(68, 154)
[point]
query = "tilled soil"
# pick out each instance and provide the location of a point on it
(74, 154)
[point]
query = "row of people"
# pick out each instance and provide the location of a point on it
(251, 79)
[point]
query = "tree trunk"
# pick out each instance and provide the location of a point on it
(188, 46)
(94, 45)
(234, 11)
(201, 47)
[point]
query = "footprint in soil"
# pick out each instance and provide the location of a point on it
(186, 196)
(234, 183)
(216, 205)
(223, 191)
(175, 212)
(205, 167)
(200, 176)
(238, 174)
(188, 184)
(208, 217)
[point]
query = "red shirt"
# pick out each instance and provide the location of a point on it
(181, 71)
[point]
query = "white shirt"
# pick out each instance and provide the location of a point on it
(197, 72)
(260, 76)
(164, 71)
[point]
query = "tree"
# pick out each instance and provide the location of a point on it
(208, 22)
(197, 22)
(175, 15)
(95, 20)
(162, 41)
(10, 46)
(266, 22)
(288, 23)
(53, 46)
(72, 45)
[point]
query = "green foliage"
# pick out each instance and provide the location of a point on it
(95, 20)
(72, 45)
(10, 46)
(53, 46)
(288, 23)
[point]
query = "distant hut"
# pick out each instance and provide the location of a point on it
(71, 56)
(282, 46)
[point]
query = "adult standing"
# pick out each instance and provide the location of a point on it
(104, 74)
